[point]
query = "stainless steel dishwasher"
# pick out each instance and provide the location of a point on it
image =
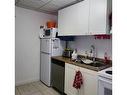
(57, 75)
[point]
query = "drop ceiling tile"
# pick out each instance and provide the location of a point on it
(31, 3)
(47, 6)
(62, 3)
(50, 7)
(46, 1)
(49, 12)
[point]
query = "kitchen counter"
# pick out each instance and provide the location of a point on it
(69, 61)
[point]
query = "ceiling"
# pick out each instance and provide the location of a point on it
(46, 6)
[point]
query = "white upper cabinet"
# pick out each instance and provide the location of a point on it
(88, 17)
(73, 20)
(98, 19)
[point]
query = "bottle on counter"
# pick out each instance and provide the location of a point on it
(105, 58)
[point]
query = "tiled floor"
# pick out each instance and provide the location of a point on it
(35, 88)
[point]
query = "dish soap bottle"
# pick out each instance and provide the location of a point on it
(74, 55)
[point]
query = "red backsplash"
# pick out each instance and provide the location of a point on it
(102, 36)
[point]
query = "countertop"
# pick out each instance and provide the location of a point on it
(69, 61)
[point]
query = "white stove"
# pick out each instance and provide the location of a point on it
(105, 82)
(106, 73)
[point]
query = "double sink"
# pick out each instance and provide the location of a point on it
(90, 62)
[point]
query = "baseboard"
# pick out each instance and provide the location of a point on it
(25, 82)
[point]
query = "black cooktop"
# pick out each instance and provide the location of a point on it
(109, 72)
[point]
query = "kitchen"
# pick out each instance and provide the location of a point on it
(83, 26)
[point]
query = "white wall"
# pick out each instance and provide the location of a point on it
(83, 43)
(27, 43)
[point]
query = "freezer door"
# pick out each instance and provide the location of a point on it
(46, 45)
(45, 68)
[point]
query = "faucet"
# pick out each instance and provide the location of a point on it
(92, 51)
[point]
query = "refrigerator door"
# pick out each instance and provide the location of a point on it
(45, 68)
(55, 47)
(46, 45)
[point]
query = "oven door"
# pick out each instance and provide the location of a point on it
(105, 86)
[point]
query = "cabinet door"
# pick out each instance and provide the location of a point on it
(83, 18)
(67, 21)
(90, 84)
(73, 20)
(98, 17)
(69, 78)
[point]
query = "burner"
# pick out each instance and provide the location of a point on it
(109, 72)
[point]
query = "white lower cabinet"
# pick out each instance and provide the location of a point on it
(90, 82)
(69, 77)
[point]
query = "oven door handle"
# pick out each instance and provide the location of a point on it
(105, 80)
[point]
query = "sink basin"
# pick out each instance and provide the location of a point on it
(96, 64)
(90, 62)
(87, 61)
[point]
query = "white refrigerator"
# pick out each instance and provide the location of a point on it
(49, 47)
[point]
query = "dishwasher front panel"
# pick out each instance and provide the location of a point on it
(57, 76)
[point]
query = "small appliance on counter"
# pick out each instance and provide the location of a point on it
(67, 53)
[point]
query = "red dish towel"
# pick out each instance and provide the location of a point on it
(78, 81)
